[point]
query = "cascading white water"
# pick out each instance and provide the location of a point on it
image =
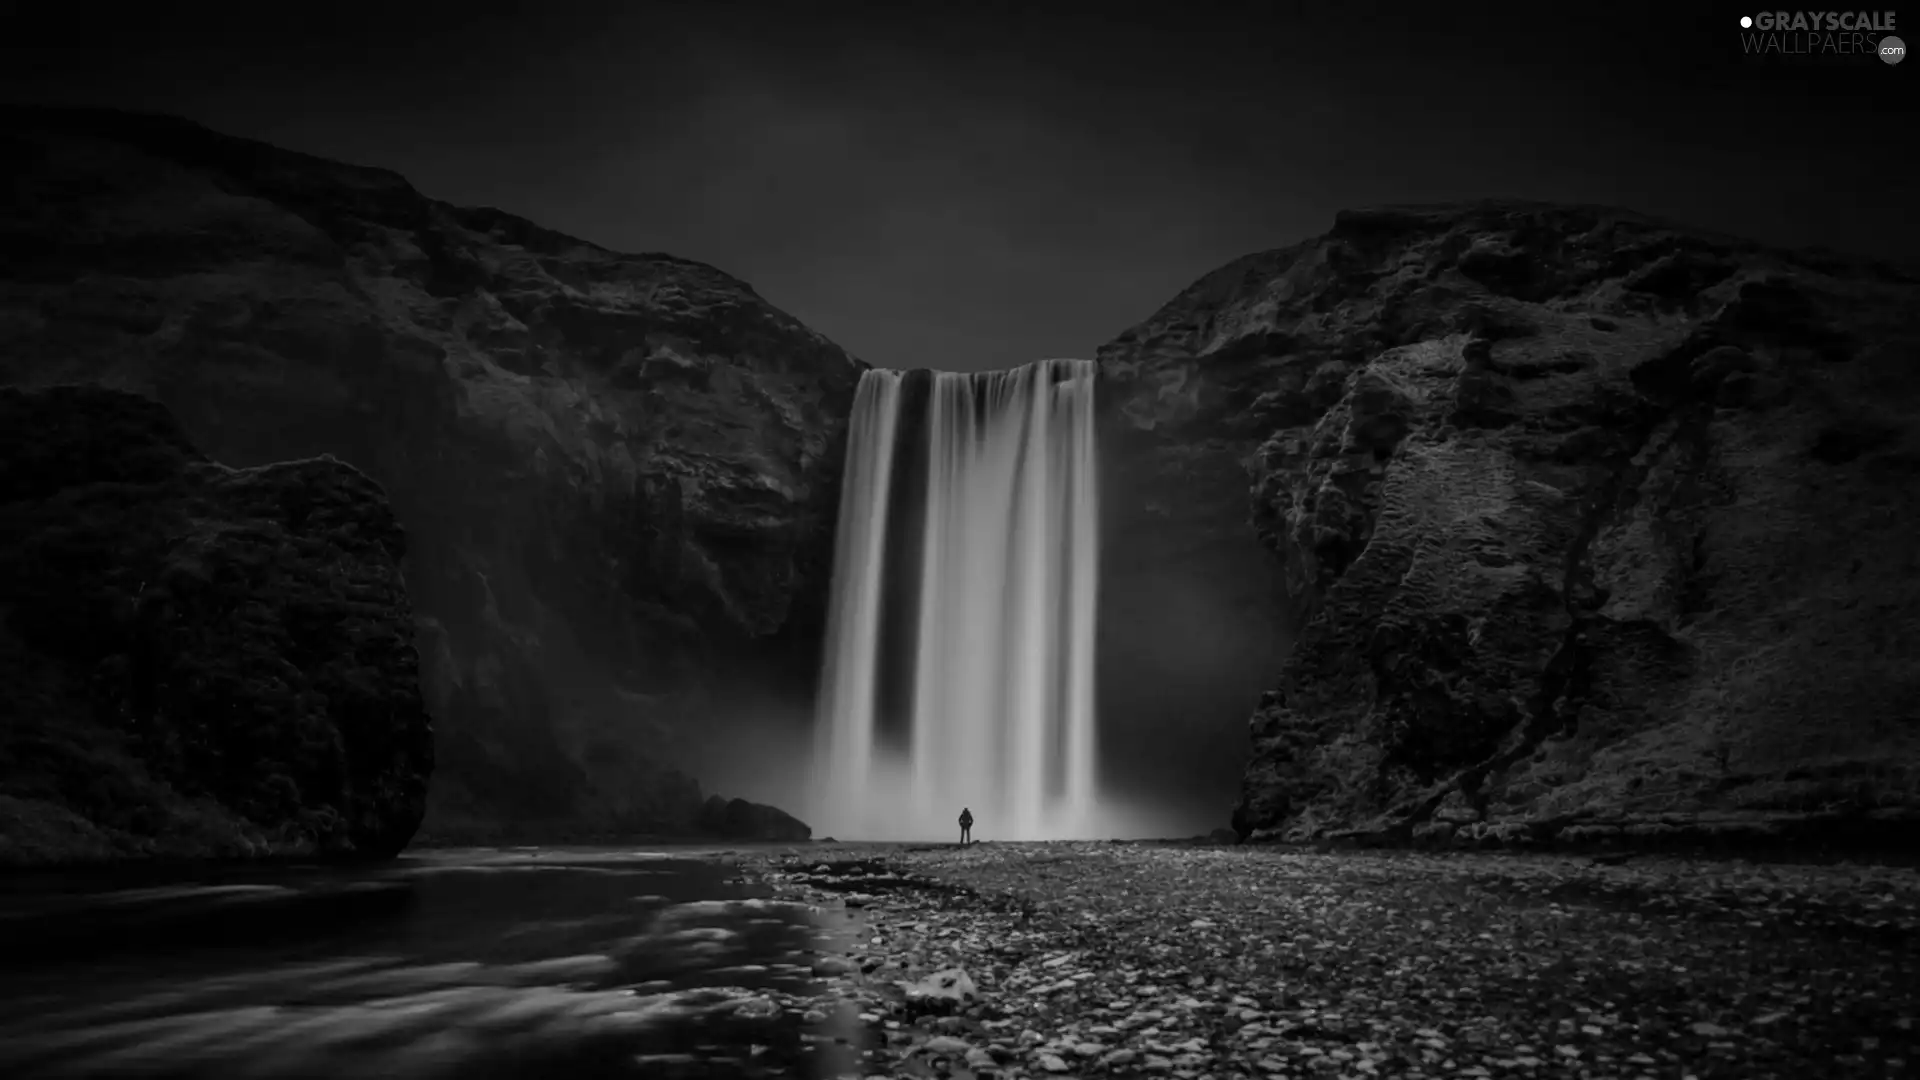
(989, 617)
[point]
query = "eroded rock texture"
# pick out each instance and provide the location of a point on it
(198, 660)
(1599, 527)
(616, 471)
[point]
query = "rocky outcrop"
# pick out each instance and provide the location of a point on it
(738, 819)
(199, 661)
(616, 471)
(1598, 527)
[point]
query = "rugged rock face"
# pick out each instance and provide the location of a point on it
(198, 660)
(1599, 527)
(617, 471)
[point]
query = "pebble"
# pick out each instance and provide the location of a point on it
(1710, 1030)
(947, 1044)
(831, 965)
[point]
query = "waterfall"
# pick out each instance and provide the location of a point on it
(959, 661)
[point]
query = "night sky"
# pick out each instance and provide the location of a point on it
(968, 192)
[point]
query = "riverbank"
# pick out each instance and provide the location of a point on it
(1129, 959)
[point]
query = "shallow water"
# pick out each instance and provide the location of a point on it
(475, 963)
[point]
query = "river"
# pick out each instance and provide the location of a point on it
(476, 963)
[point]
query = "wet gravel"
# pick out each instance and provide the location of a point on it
(1121, 960)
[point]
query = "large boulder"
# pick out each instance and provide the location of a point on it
(617, 471)
(199, 661)
(1596, 527)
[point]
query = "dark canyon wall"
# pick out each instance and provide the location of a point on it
(198, 660)
(1594, 526)
(1194, 619)
(616, 471)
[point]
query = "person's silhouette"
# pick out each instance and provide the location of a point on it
(966, 826)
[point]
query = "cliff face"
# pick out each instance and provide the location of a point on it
(616, 471)
(1596, 526)
(198, 660)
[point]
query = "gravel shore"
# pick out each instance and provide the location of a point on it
(1102, 959)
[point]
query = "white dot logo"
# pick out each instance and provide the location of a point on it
(1746, 22)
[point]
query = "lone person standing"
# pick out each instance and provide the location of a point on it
(966, 826)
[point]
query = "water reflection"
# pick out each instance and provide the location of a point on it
(483, 963)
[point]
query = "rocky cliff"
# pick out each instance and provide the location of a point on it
(198, 660)
(1597, 527)
(616, 471)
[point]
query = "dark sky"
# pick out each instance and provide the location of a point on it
(964, 192)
